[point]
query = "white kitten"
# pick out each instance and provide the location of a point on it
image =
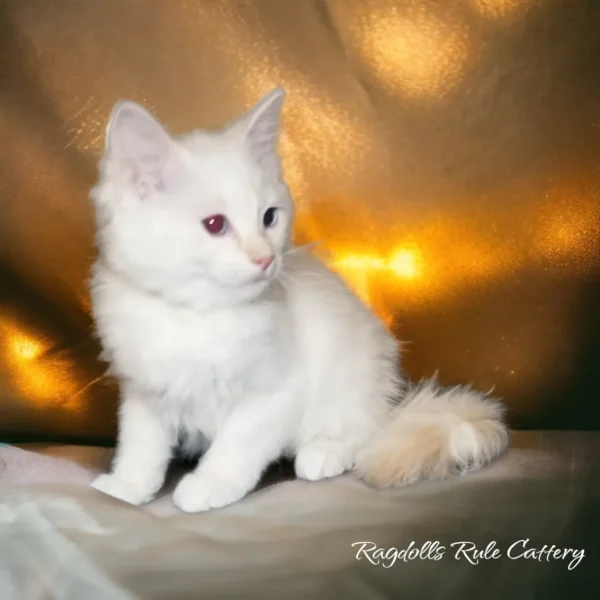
(225, 338)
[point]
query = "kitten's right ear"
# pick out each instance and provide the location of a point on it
(139, 147)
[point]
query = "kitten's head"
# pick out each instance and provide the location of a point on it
(207, 210)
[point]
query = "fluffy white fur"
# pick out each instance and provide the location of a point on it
(214, 353)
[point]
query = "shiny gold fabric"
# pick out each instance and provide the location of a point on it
(446, 154)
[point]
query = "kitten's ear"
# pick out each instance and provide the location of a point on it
(139, 146)
(261, 128)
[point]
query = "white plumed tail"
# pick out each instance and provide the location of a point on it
(435, 433)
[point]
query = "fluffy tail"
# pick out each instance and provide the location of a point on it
(435, 433)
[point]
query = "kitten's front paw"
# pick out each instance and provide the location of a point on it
(196, 493)
(127, 491)
(322, 459)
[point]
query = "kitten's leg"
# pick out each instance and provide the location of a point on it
(324, 457)
(250, 439)
(142, 455)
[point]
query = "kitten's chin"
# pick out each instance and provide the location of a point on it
(246, 290)
(254, 288)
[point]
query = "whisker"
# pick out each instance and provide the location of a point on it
(303, 247)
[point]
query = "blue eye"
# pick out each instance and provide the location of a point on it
(270, 217)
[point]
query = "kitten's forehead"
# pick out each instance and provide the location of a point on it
(222, 170)
(200, 141)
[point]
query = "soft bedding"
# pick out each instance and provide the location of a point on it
(294, 539)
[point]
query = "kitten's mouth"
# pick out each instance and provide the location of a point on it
(269, 273)
(265, 276)
(262, 276)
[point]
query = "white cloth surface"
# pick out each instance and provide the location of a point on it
(293, 539)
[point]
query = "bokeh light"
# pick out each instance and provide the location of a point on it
(439, 259)
(413, 51)
(39, 378)
(501, 10)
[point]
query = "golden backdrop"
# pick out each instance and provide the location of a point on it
(444, 154)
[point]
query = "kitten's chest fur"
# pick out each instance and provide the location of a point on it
(198, 364)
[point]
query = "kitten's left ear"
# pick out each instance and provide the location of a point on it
(140, 148)
(261, 128)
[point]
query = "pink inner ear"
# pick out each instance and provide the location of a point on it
(145, 174)
(142, 147)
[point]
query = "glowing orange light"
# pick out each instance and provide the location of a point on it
(416, 53)
(404, 263)
(361, 270)
(25, 347)
(355, 270)
(359, 262)
(39, 379)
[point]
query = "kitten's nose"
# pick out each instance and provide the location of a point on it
(263, 262)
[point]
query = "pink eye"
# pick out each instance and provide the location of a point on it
(216, 224)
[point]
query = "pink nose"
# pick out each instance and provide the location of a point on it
(263, 262)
